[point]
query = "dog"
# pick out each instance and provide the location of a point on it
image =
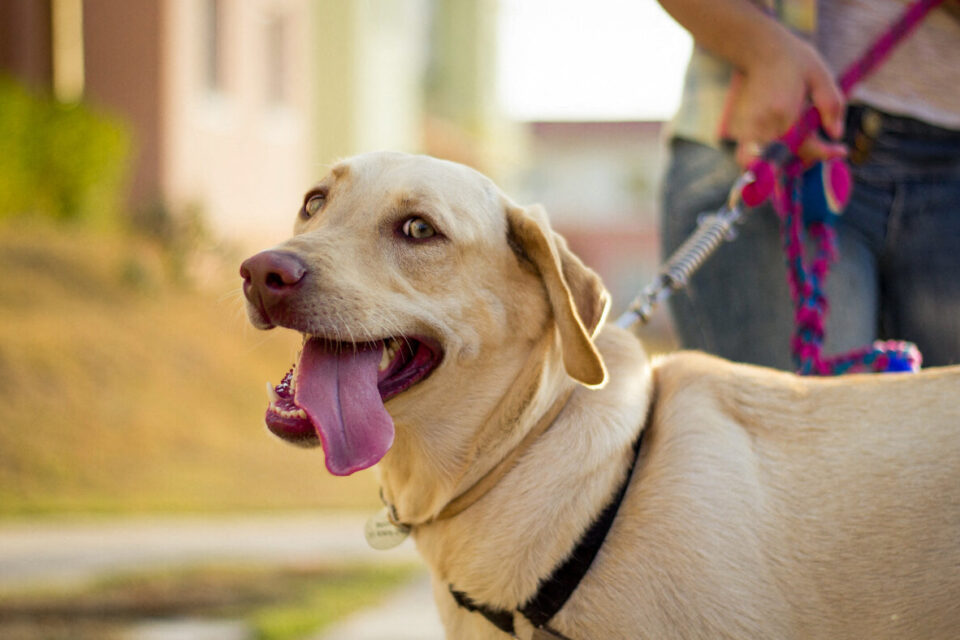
(453, 340)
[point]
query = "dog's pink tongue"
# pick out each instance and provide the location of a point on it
(337, 387)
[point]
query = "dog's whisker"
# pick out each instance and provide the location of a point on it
(339, 332)
(257, 345)
(233, 294)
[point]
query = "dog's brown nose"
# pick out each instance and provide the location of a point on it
(270, 276)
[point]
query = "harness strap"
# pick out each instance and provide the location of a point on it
(561, 584)
(565, 578)
(500, 618)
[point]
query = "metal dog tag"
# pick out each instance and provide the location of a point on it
(382, 534)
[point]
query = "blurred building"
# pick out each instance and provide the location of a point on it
(599, 182)
(590, 173)
(238, 106)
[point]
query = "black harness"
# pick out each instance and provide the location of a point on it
(557, 589)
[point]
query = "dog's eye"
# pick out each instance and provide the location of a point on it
(418, 229)
(313, 203)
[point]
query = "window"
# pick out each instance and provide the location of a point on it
(213, 45)
(277, 63)
(67, 49)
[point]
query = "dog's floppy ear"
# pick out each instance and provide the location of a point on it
(577, 296)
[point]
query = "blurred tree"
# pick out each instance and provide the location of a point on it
(65, 162)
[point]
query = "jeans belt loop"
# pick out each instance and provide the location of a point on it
(869, 125)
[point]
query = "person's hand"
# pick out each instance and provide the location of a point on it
(771, 93)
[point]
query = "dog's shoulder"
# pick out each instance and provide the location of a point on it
(706, 376)
(694, 386)
(624, 399)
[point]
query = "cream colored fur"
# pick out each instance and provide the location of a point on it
(763, 505)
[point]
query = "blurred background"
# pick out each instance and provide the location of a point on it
(146, 146)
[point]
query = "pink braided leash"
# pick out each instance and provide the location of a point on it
(777, 175)
(807, 283)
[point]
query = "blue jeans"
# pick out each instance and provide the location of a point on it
(898, 275)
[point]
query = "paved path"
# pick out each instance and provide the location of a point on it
(407, 615)
(52, 551)
(70, 551)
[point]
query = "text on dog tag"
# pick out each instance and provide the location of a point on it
(382, 534)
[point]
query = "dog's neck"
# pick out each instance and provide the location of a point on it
(553, 492)
(499, 549)
(421, 487)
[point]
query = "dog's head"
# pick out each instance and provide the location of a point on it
(409, 277)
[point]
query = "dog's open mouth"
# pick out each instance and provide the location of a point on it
(335, 396)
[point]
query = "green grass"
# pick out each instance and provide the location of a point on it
(121, 392)
(326, 602)
(274, 603)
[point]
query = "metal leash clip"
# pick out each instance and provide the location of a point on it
(712, 230)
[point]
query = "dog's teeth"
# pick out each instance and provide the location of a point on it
(289, 413)
(386, 358)
(272, 394)
(295, 413)
(391, 346)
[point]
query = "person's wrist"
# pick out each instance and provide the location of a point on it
(770, 45)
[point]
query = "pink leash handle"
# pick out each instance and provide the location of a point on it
(776, 154)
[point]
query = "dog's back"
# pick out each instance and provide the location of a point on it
(768, 505)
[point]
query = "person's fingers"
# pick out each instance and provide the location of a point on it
(746, 152)
(815, 149)
(827, 98)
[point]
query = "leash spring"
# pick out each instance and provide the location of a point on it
(712, 230)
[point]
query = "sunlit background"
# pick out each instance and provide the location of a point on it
(619, 60)
(147, 146)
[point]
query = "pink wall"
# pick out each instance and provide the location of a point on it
(236, 152)
(25, 41)
(124, 68)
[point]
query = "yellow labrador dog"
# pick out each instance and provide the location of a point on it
(452, 339)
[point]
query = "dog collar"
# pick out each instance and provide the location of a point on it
(385, 529)
(492, 477)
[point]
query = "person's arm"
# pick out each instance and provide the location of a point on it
(780, 72)
(736, 30)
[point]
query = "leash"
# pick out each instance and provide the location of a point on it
(776, 175)
(807, 279)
